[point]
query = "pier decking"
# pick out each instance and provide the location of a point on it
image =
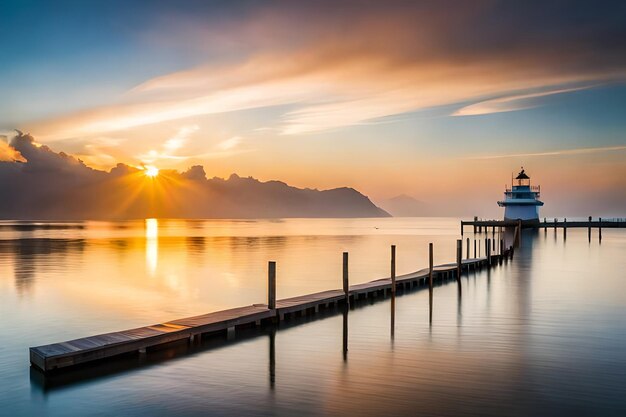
(79, 351)
(546, 223)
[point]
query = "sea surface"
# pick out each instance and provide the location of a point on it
(542, 335)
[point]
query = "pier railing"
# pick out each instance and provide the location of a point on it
(589, 223)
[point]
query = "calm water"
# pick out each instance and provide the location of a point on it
(540, 336)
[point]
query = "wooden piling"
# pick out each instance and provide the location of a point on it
(346, 285)
(459, 255)
(489, 252)
(393, 270)
(589, 230)
(599, 228)
(475, 220)
(468, 247)
(430, 283)
(430, 266)
(474, 248)
(565, 228)
(271, 285)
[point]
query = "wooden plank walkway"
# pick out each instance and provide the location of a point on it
(79, 351)
(309, 301)
(74, 352)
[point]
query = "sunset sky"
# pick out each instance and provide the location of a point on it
(438, 100)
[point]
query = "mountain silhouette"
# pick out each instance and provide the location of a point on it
(38, 183)
(406, 206)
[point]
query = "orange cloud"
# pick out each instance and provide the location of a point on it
(9, 154)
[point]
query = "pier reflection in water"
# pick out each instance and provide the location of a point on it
(543, 334)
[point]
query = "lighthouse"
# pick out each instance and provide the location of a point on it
(521, 201)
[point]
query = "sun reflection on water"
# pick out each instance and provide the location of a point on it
(152, 245)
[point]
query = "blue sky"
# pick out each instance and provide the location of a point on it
(328, 94)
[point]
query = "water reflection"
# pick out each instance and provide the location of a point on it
(393, 316)
(31, 255)
(524, 338)
(272, 350)
(152, 245)
(345, 333)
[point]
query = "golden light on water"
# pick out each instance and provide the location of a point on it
(151, 171)
(152, 245)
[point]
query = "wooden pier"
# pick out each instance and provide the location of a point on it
(62, 355)
(600, 223)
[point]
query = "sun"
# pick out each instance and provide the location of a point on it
(151, 171)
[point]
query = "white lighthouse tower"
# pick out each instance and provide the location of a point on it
(521, 201)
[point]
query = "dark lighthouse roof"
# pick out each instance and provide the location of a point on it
(522, 175)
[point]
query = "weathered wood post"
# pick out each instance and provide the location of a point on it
(271, 285)
(468, 248)
(461, 227)
(599, 228)
(545, 226)
(346, 286)
(555, 220)
(393, 270)
(459, 255)
(589, 229)
(565, 228)
(474, 248)
(430, 283)
(475, 220)
(489, 252)
(501, 250)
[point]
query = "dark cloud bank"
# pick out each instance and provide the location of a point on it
(57, 186)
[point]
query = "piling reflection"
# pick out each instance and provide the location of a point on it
(346, 308)
(272, 350)
(393, 316)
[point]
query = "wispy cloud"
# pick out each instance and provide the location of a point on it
(171, 147)
(229, 144)
(513, 103)
(346, 66)
(562, 152)
(177, 141)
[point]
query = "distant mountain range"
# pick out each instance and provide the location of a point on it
(37, 183)
(406, 206)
